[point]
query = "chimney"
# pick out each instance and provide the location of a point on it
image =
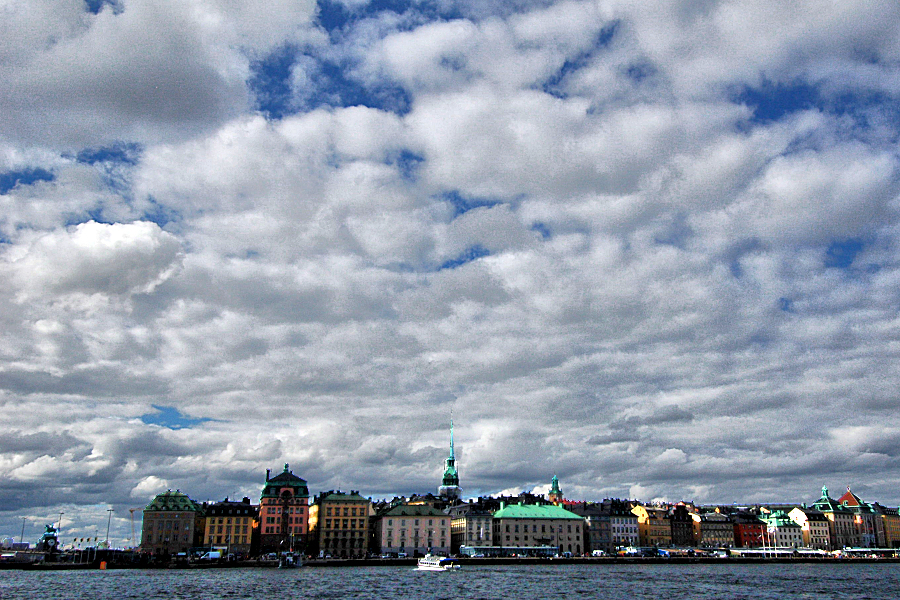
(268, 472)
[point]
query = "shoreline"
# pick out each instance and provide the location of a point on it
(411, 562)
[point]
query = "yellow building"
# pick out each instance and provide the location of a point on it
(653, 526)
(339, 524)
(229, 526)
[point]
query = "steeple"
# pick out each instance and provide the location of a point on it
(450, 483)
(555, 496)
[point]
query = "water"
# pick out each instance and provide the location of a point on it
(833, 580)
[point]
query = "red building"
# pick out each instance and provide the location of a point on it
(749, 531)
(283, 513)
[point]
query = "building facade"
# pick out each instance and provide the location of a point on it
(283, 513)
(471, 524)
(713, 530)
(411, 529)
(172, 523)
(865, 523)
(749, 530)
(814, 526)
(842, 532)
(539, 525)
(653, 526)
(782, 531)
(229, 526)
(339, 524)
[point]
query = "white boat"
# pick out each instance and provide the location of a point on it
(430, 562)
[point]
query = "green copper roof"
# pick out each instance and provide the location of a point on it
(535, 511)
(285, 479)
(173, 501)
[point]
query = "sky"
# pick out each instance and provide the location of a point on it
(648, 248)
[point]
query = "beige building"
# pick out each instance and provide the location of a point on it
(339, 524)
(539, 525)
(814, 525)
(842, 530)
(653, 526)
(412, 529)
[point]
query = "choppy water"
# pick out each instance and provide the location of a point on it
(614, 582)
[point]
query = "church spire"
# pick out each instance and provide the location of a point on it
(450, 483)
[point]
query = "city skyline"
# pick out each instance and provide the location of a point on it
(650, 250)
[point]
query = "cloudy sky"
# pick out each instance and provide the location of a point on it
(652, 251)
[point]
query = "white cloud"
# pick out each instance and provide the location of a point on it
(95, 258)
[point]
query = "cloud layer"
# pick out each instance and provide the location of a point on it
(649, 250)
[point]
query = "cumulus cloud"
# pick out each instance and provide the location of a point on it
(118, 259)
(651, 250)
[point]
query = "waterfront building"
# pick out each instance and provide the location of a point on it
(172, 523)
(713, 530)
(539, 525)
(283, 512)
(339, 524)
(865, 524)
(471, 525)
(229, 526)
(842, 531)
(782, 531)
(814, 527)
(411, 529)
(596, 524)
(682, 525)
(449, 489)
(653, 525)
(749, 530)
(890, 525)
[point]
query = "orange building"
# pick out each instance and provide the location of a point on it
(283, 513)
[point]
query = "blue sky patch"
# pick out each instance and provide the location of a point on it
(171, 417)
(542, 229)
(785, 304)
(121, 153)
(471, 253)
(334, 17)
(841, 254)
(462, 204)
(772, 101)
(270, 82)
(11, 179)
(95, 6)
(554, 84)
(407, 162)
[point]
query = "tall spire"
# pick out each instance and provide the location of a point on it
(450, 483)
(451, 436)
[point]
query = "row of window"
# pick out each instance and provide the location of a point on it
(227, 529)
(348, 511)
(344, 523)
(277, 529)
(416, 521)
(534, 528)
(291, 510)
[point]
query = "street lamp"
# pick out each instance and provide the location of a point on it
(108, 522)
